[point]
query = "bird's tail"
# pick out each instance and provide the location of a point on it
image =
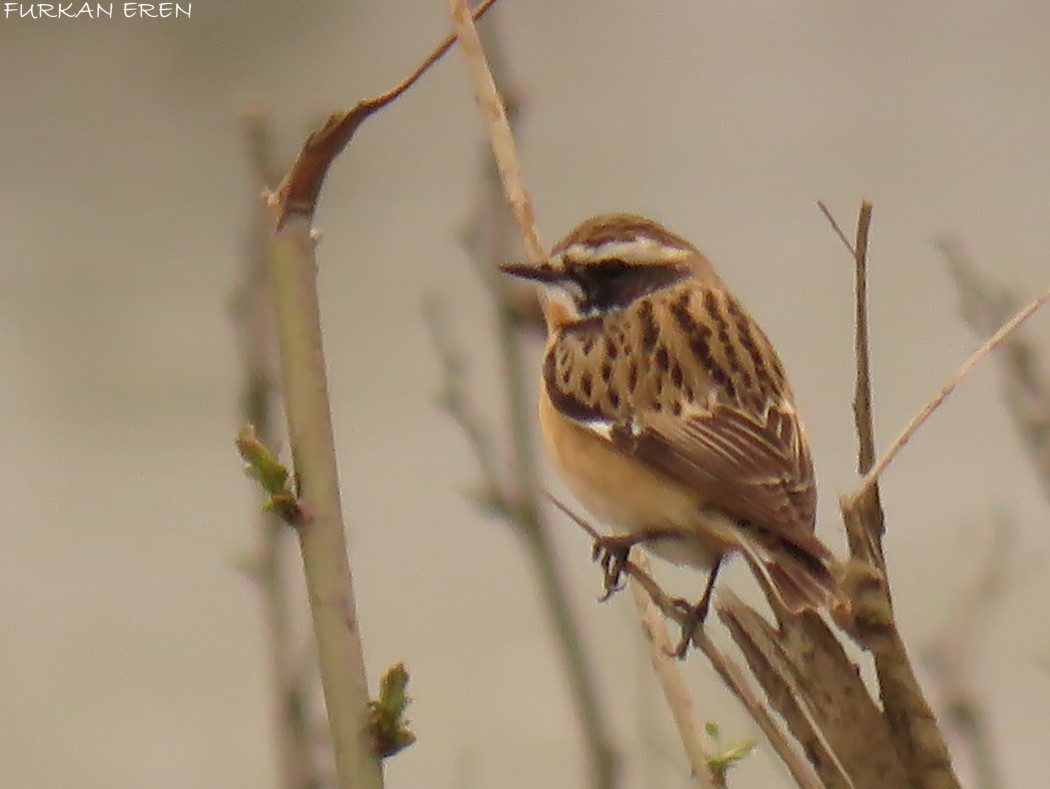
(794, 577)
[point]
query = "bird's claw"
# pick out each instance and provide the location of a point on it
(611, 554)
(692, 621)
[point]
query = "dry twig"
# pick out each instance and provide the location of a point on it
(301, 187)
(504, 149)
(661, 653)
(1026, 389)
(730, 673)
(912, 725)
(522, 505)
(986, 348)
(952, 653)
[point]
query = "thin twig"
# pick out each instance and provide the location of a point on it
(301, 187)
(252, 313)
(987, 347)
(454, 400)
(730, 673)
(500, 135)
(862, 397)
(526, 512)
(950, 656)
(669, 675)
(865, 532)
(1026, 389)
(837, 228)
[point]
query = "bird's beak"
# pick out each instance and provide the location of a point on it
(543, 273)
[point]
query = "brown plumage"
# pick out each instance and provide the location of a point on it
(667, 410)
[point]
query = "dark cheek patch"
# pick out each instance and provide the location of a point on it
(611, 284)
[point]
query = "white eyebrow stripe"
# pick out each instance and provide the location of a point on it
(637, 250)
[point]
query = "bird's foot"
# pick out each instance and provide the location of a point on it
(692, 621)
(611, 554)
(695, 615)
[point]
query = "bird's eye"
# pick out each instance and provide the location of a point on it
(602, 285)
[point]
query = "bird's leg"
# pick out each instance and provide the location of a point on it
(695, 614)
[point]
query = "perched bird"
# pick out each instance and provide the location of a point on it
(668, 414)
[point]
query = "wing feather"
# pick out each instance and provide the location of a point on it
(752, 470)
(687, 384)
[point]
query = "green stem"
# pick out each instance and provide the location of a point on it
(322, 539)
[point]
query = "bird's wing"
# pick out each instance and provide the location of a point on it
(662, 387)
(755, 470)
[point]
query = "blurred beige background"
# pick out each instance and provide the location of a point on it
(133, 650)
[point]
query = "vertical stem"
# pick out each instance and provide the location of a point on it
(600, 754)
(603, 767)
(322, 539)
(912, 724)
(291, 724)
(253, 317)
(862, 396)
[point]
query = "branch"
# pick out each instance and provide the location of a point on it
(322, 537)
(951, 654)
(299, 191)
(731, 674)
(522, 504)
(986, 348)
(500, 135)
(734, 678)
(251, 310)
(661, 653)
(818, 691)
(912, 725)
(865, 541)
(454, 400)
(985, 306)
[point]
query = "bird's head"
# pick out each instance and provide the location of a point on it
(609, 261)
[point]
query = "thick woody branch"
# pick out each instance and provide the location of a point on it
(817, 689)
(912, 725)
(732, 675)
